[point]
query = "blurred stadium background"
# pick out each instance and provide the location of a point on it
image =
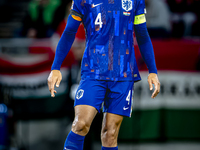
(30, 119)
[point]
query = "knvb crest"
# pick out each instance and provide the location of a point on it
(79, 94)
(127, 5)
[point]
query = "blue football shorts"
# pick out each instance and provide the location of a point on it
(114, 96)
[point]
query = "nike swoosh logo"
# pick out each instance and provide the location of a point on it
(93, 5)
(125, 108)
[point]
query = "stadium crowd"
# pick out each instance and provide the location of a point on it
(165, 18)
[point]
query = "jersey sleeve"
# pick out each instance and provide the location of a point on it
(140, 8)
(65, 42)
(77, 10)
(140, 13)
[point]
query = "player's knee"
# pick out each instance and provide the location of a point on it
(80, 127)
(108, 137)
(109, 133)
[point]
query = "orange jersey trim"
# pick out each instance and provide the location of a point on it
(76, 18)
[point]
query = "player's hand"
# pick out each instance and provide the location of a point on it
(153, 79)
(55, 77)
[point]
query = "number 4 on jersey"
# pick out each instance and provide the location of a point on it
(98, 20)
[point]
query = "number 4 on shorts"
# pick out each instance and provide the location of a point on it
(128, 98)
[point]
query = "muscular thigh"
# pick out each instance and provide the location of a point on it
(84, 116)
(111, 121)
(85, 113)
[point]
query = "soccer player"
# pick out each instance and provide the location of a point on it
(108, 69)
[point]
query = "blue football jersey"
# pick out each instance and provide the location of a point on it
(109, 25)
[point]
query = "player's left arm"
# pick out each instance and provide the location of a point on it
(146, 49)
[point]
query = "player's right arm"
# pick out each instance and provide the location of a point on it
(63, 47)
